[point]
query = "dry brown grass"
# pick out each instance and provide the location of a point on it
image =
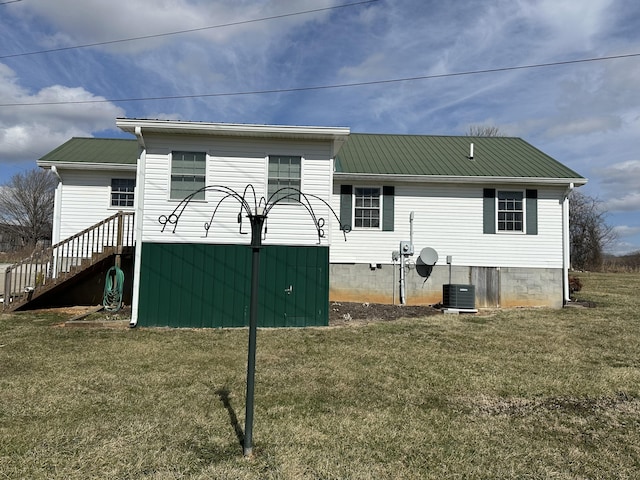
(523, 393)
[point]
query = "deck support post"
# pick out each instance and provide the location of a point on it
(119, 239)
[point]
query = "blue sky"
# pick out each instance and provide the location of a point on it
(586, 115)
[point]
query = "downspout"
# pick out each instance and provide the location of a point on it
(139, 221)
(566, 246)
(57, 213)
(402, 273)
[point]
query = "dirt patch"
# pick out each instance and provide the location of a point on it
(341, 313)
(580, 304)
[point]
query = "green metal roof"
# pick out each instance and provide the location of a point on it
(411, 155)
(417, 155)
(95, 150)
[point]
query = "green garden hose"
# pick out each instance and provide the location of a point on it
(113, 289)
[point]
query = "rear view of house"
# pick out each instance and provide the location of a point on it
(491, 213)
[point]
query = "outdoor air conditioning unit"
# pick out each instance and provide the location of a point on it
(459, 296)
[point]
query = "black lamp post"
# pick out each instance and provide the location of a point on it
(257, 216)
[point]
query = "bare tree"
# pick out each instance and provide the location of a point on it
(588, 231)
(26, 206)
(484, 131)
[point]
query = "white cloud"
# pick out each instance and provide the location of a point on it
(28, 132)
(568, 24)
(627, 203)
(621, 183)
(626, 230)
(376, 66)
(584, 126)
(621, 174)
(93, 21)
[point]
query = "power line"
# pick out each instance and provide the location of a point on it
(10, 1)
(325, 87)
(180, 32)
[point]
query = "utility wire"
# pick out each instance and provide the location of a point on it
(324, 87)
(10, 1)
(180, 32)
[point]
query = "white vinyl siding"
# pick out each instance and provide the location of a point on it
(449, 218)
(235, 163)
(84, 200)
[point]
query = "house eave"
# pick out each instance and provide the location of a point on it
(145, 126)
(86, 166)
(377, 178)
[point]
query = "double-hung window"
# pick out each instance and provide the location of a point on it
(188, 173)
(122, 191)
(284, 178)
(510, 211)
(367, 207)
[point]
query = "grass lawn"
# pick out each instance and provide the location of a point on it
(523, 393)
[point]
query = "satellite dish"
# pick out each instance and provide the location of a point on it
(429, 256)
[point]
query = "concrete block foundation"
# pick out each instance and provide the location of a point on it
(495, 286)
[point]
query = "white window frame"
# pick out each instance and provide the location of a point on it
(355, 207)
(524, 212)
(112, 192)
(288, 201)
(202, 196)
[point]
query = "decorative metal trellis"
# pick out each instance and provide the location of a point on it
(257, 212)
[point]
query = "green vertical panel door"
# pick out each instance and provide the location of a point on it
(197, 285)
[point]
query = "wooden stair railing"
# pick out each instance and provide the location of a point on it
(48, 267)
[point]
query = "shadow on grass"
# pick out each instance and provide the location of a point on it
(223, 393)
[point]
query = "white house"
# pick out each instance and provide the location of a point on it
(494, 209)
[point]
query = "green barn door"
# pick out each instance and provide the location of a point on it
(196, 285)
(296, 280)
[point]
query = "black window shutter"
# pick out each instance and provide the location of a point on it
(532, 212)
(346, 200)
(489, 210)
(388, 194)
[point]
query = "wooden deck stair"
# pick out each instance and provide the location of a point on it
(51, 267)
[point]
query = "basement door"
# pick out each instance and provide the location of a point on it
(487, 283)
(296, 292)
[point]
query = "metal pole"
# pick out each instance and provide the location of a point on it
(257, 221)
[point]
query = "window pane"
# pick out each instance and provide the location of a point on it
(367, 207)
(284, 173)
(184, 185)
(188, 171)
(122, 192)
(510, 211)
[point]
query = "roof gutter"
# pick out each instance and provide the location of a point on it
(86, 166)
(132, 125)
(375, 177)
